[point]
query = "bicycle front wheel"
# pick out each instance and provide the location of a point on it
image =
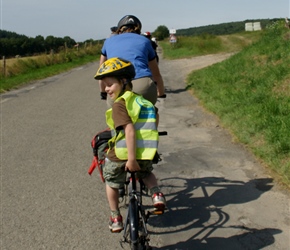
(134, 223)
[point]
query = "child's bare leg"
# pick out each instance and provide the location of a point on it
(157, 197)
(116, 220)
(113, 198)
(151, 183)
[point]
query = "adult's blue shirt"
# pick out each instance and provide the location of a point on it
(133, 47)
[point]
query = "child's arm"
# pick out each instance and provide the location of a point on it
(132, 164)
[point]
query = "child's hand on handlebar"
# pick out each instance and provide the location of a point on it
(132, 166)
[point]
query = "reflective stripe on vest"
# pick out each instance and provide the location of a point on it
(143, 116)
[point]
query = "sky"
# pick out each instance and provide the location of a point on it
(91, 19)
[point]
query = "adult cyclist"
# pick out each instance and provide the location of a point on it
(153, 43)
(132, 46)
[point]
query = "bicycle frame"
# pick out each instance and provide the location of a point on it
(136, 219)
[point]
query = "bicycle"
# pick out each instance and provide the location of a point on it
(135, 229)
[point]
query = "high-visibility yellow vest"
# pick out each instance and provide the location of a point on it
(143, 116)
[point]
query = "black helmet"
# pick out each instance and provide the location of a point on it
(116, 67)
(129, 20)
(114, 28)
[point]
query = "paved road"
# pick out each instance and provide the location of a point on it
(219, 197)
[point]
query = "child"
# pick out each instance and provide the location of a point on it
(132, 120)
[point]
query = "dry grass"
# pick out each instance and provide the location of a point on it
(15, 66)
(11, 61)
(236, 42)
(282, 89)
(12, 64)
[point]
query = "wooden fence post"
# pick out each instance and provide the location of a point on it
(4, 66)
(287, 25)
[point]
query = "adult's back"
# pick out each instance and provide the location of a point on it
(133, 47)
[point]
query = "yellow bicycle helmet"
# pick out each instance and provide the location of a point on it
(116, 67)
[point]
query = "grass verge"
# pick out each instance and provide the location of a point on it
(25, 70)
(186, 47)
(250, 93)
(41, 73)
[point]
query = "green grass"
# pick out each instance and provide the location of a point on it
(250, 92)
(207, 44)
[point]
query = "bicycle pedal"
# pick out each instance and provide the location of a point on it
(157, 211)
(116, 231)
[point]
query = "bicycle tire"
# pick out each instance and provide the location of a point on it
(134, 223)
(135, 246)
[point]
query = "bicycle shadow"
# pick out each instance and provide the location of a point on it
(197, 204)
(252, 240)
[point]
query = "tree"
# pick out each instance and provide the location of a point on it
(39, 44)
(161, 32)
(69, 41)
(49, 43)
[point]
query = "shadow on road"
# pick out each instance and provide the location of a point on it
(197, 205)
(176, 91)
(253, 240)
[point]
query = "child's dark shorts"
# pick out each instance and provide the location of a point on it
(115, 175)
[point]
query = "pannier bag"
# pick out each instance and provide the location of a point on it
(100, 147)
